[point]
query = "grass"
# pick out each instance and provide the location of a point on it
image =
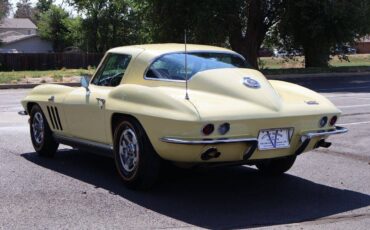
(56, 75)
(268, 65)
(355, 63)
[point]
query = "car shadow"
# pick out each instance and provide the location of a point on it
(216, 198)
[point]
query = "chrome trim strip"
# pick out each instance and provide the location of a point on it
(337, 130)
(79, 141)
(174, 140)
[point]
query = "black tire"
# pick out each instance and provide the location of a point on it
(137, 164)
(276, 167)
(44, 145)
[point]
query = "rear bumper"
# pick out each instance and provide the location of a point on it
(308, 135)
(241, 148)
(174, 140)
(337, 130)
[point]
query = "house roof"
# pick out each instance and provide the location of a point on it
(17, 23)
(364, 39)
(12, 36)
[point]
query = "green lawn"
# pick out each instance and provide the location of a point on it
(268, 65)
(57, 75)
(355, 63)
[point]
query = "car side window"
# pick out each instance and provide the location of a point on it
(112, 70)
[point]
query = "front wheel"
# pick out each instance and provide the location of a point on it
(275, 167)
(41, 134)
(136, 161)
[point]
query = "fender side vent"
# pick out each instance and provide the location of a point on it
(54, 117)
(57, 113)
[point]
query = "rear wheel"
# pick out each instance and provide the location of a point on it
(136, 161)
(41, 134)
(275, 167)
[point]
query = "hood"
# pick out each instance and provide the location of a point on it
(225, 94)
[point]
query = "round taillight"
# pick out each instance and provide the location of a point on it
(208, 129)
(333, 120)
(224, 128)
(323, 121)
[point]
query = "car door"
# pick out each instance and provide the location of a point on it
(85, 108)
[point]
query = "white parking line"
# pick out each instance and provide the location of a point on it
(355, 123)
(353, 106)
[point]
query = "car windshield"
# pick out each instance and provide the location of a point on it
(172, 66)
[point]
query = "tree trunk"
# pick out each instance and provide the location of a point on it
(317, 54)
(249, 45)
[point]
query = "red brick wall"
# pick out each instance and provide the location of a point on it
(363, 47)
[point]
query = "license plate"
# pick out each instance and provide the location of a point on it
(274, 138)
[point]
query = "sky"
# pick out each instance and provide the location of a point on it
(57, 2)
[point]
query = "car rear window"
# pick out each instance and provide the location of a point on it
(172, 66)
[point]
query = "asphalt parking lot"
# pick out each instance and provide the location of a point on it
(326, 188)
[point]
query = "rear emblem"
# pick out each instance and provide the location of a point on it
(311, 102)
(251, 83)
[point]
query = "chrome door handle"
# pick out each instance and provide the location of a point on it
(100, 99)
(101, 102)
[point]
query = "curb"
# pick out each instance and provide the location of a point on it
(270, 77)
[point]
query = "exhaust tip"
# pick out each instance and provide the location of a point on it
(322, 143)
(210, 153)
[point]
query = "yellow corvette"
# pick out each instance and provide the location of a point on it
(150, 103)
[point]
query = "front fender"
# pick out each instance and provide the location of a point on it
(40, 94)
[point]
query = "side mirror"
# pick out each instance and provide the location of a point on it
(85, 81)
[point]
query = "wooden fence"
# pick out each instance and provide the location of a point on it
(48, 61)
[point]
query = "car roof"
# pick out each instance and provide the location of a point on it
(160, 49)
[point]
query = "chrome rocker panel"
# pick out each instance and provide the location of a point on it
(90, 146)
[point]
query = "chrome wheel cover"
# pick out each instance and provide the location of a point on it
(128, 149)
(38, 127)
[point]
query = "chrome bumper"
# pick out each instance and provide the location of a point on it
(337, 130)
(206, 141)
(305, 140)
(305, 136)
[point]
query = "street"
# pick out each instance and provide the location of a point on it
(326, 188)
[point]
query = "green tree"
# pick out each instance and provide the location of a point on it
(25, 10)
(318, 25)
(41, 7)
(106, 23)
(240, 24)
(74, 37)
(5, 7)
(53, 26)
(44, 5)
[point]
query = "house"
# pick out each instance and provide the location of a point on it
(19, 35)
(363, 45)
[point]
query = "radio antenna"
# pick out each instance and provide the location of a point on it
(186, 68)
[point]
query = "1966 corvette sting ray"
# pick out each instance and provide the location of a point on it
(150, 103)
